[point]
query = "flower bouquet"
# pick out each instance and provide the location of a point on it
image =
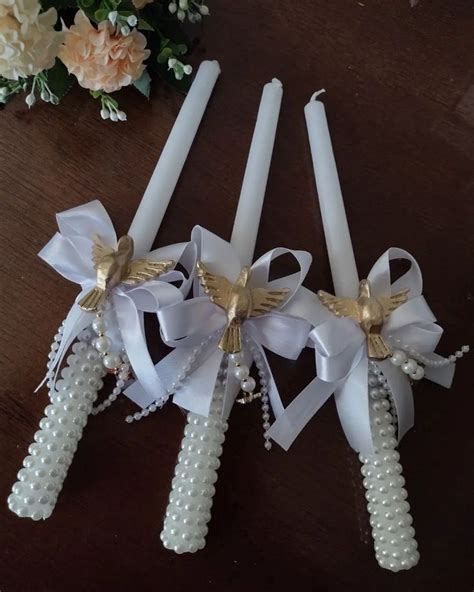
(104, 45)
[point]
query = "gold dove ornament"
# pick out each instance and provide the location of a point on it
(370, 312)
(117, 267)
(239, 301)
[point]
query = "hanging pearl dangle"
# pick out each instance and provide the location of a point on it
(114, 363)
(412, 362)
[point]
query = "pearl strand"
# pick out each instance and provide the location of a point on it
(180, 378)
(34, 495)
(424, 359)
(394, 543)
(263, 381)
(192, 489)
(116, 363)
(407, 365)
(50, 373)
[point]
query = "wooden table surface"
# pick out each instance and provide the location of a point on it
(400, 102)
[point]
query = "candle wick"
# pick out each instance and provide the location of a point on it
(317, 93)
(277, 82)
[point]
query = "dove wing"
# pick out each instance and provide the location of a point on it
(143, 270)
(341, 307)
(264, 300)
(99, 251)
(391, 303)
(217, 287)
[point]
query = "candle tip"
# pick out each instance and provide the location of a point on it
(212, 62)
(277, 82)
(315, 95)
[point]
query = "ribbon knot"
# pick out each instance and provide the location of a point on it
(342, 361)
(69, 252)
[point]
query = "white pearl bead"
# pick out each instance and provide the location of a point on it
(418, 374)
(241, 372)
(102, 344)
(398, 357)
(85, 335)
(53, 452)
(248, 385)
(373, 380)
(111, 361)
(389, 516)
(410, 366)
(99, 325)
(235, 358)
(190, 500)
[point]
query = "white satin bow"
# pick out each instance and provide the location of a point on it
(185, 325)
(69, 252)
(342, 363)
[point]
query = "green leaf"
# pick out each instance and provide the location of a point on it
(144, 26)
(143, 84)
(102, 14)
(59, 79)
(85, 3)
(180, 49)
(127, 5)
(110, 5)
(164, 55)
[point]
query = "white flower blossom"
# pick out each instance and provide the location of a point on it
(193, 10)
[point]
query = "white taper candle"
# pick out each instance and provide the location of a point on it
(395, 546)
(191, 497)
(40, 481)
(249, 209)
(156, 198)
(336, 230)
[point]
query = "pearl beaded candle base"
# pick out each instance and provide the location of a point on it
(34, 495)
(394, 543)
(190, 501)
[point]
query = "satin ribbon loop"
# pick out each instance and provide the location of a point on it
(69, 252)
(380, 274)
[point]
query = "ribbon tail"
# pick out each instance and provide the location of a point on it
(442, 375)
(167, 369)
(298, 413)
(352, 401)
(402, 396)
(131, 328)
(76, 321)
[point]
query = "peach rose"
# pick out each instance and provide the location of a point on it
(103, 58)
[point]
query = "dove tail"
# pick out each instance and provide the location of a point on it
(231, 341)
(92, 300)
(377, 348)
